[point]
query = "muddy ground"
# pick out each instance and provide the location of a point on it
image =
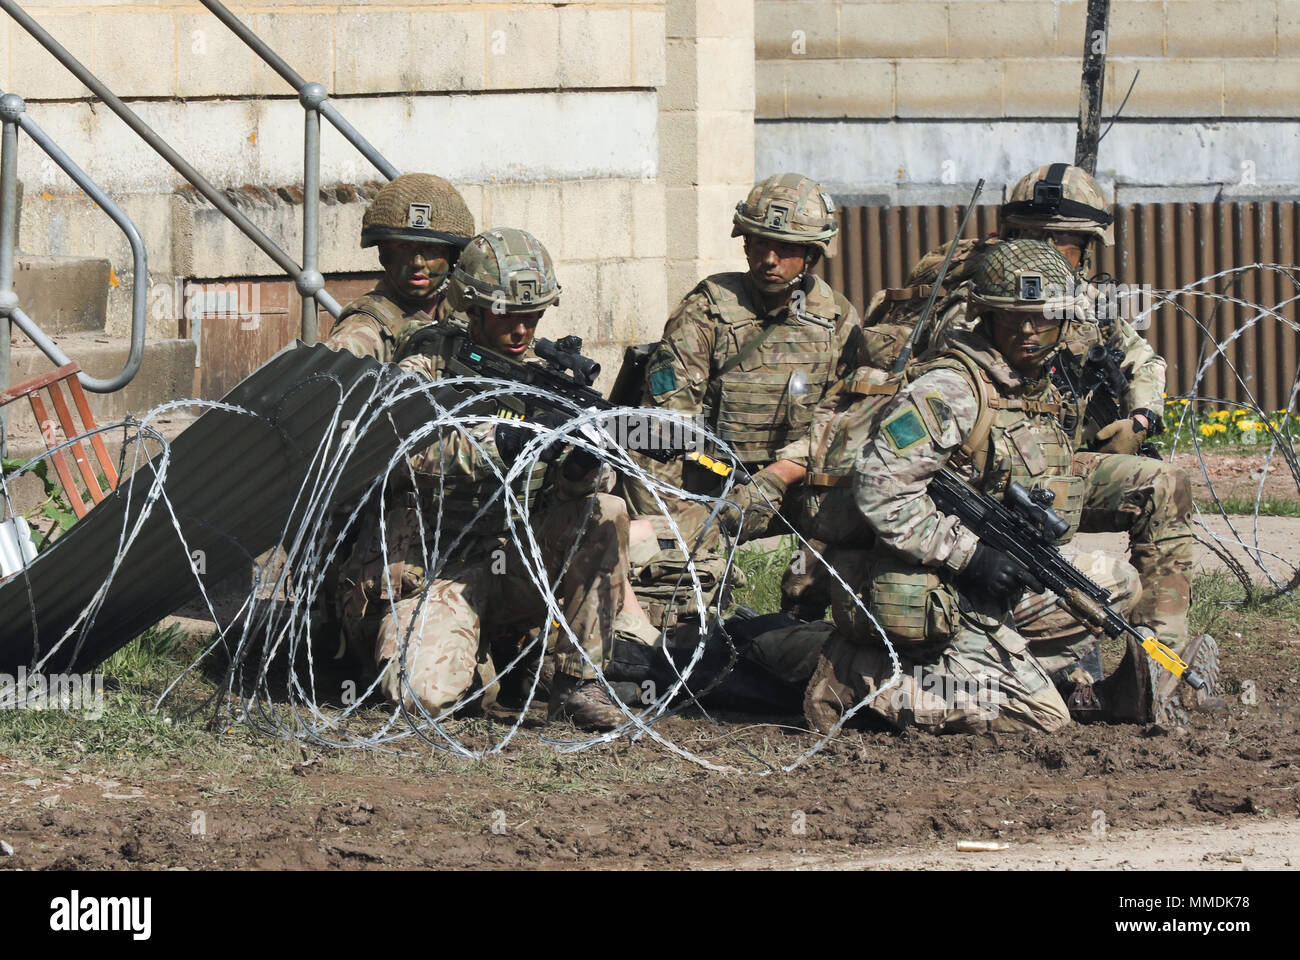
(1097, 796)
(1223, 792)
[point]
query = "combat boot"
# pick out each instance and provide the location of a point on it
(584, 702)
(1141, 691)
(1127, 695)
(1201, 655)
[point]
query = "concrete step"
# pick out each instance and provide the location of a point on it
(167, 373)
(63, 294)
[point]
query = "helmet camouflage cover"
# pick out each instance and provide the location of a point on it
(419, 207)
(1027, 276)
(1059, 198)
(505, 270)
(789, 208)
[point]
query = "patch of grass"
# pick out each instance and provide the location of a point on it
(1268, 507)
(1243, 628)
(763, 570)
(1228, 428)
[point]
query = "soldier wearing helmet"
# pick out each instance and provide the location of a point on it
(985, 407)
(753, 353)
(1064, 205)
(429, 624)
(419, 223)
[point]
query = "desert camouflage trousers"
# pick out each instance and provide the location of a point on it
(989, 676)
(1151, 501)
(430, 645)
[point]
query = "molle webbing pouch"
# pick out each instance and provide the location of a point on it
(1067, 499)
(917, 608)
(664, 587)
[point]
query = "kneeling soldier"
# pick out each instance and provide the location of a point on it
(984, 408)
(430, 631)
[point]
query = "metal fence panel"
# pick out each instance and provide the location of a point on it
(1166, 245)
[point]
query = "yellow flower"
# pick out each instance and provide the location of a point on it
(1220, 428)
(1207, 429)
(1239, 413)
(1249, 426)
(1219, 415)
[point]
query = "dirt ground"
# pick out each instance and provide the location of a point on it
(1237, 475)
(1220, 793)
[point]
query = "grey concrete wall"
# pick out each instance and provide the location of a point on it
(546, 115)
(905, 101)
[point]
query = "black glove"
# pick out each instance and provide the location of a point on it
(580, 462)
(511, 437)
(991, 573)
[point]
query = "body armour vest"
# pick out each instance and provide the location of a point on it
(1016, 439)
(750, 402)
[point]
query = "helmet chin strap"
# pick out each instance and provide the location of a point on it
(799, 279)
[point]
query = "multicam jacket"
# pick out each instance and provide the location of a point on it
(966, 409)
(378, 323)
(709, 362)
(1143, 366)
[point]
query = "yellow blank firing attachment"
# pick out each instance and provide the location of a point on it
(1172, 662)
(708, 463)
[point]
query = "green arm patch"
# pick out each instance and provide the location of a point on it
(662, 380)
(905, 429)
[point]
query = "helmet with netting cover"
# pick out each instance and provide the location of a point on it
(1058, 198)
(505, 270)
(419, 207)
(1027, 276)
(790, 208)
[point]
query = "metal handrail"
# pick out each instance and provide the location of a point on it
(14, 115)
(295, 79)
(307, 279)
(316, 103)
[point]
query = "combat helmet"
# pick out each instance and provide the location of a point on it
(789, 208)
(505, 270)
(420, 207)
(1059, 198)
(1027, 276)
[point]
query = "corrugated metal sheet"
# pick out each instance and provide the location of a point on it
(233, 482)
(1166, 245)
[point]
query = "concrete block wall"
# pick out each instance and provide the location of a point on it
(546, 115)
(825, 66)
(706, 146)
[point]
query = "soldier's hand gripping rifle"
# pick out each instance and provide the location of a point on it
(1099, 383)
(566, 374)
(1025, 528)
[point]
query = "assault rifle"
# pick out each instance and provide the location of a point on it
(1098, 382)
(1025, 527)
(567, 374)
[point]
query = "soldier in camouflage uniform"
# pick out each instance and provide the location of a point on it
(1064, 205)
(754, 353)
(420, 223)
(985, 408)
(430, 633)
(1149, 499)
